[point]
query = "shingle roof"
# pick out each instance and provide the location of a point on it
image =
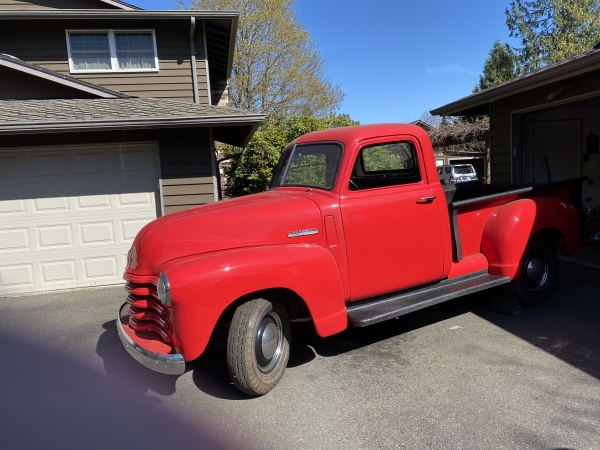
(14, 63)
(231, 125)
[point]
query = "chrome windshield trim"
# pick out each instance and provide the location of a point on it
(171, 364)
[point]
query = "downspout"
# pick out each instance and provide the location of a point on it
(206, 63)
(193, 60)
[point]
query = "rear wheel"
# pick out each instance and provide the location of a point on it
(539, 271)
(258, 345)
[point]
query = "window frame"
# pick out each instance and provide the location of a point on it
(114, 62)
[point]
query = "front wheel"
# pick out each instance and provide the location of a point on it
(258, 345)
(539, 271)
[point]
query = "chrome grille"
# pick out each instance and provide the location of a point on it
(146, 313)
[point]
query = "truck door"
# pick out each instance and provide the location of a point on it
(391, 221)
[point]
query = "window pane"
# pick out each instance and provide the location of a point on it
(91, 61)
(135, 50)
(398, 157)
(136, 60)
(89, 41)
(90, 51)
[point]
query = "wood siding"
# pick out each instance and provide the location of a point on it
(54, 4)
(505, 113)
(46, 46)
(15, 85)
(186, 172)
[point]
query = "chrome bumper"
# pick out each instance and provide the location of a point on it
(171, 364)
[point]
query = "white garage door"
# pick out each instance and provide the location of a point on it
(68, 215)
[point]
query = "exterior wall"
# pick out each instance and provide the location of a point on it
(185, 160)
(186, 173)
(46, 45)
(54, 4)
(15, 85)
(506, 116)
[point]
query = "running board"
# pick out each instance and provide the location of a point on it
(377, 309)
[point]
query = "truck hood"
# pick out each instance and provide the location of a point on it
(262, 219)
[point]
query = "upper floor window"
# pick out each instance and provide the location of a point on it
(112, 51)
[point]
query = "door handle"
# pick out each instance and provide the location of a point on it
(426, 199)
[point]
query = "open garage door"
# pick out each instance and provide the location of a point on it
(68, 215)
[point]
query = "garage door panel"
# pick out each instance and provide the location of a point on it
(16, 277)
(48, 164)
(54, 236)
(72, 226)
(61, 271)
(14, 239)
(14, 207)
(94, 233)
(91, 162)
(10, 167)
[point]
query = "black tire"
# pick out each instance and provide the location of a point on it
(539, 271)
(258, 345)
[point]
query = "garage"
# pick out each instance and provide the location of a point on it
(68, 214)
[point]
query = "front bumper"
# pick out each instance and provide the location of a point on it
(171, 363)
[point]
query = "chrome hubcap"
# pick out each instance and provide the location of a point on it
(269, 342)
(536, 273)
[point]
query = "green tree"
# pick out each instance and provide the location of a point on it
(277, 69)
(251, 171)
(552, 30)
(499, 67)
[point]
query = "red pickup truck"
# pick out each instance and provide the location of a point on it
(355, 229)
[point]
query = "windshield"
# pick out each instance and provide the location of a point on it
(312, 165)
(464, 170)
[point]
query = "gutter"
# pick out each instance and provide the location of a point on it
(56, 127)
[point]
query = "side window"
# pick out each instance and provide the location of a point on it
(385, 165)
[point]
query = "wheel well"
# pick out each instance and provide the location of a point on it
(553, 235)
(295, 305)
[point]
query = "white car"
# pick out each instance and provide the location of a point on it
(457, 173)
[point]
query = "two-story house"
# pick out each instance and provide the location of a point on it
(108, 118)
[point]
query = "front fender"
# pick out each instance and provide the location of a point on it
(202, 287)
(510, 227)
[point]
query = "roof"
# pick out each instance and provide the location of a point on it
(221, 27)
(10, 62)
(477, 103)
(231, 126)
(121, 5)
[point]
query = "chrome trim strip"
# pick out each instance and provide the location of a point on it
(171, 364)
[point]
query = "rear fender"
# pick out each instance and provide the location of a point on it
(506, 234)
(202, 287)
(510, 227)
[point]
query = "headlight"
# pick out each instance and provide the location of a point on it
(164, 289)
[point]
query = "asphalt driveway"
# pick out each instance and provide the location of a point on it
(454, 376)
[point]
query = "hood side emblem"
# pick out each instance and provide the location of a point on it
(305, 232)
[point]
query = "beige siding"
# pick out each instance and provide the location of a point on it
(46, 46)
(500, 136)
(186, 170)
(54, 4)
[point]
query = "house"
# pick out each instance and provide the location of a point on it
(108, 118)
(544, 126)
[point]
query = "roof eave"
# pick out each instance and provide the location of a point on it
(113, 14)
(479, 100)
(251, 121)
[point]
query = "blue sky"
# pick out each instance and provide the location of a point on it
(396, 59)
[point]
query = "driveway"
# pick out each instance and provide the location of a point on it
(454, 376)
